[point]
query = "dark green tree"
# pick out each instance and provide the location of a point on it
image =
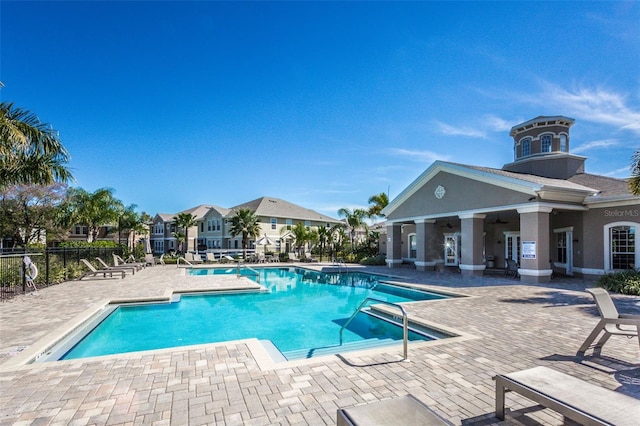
(245, 223)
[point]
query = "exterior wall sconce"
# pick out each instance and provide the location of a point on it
(576, 240)
(499, 242)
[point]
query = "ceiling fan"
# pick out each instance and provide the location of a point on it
(448, 225)
(499, 222)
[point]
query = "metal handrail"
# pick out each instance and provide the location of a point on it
(238, 275)
(405, 321)
(184, 260)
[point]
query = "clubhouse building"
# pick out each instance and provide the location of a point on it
(542, 213)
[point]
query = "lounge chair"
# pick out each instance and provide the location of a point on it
(94, 272)
(404, 410)
(121, 267)
(149, 260)
(192, 258)
(211, 258)
(576, 399)
(293, 257)
(117, 260)
(308, 258)
(227, 258)
(610, 323)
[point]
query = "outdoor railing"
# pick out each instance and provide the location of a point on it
(54, 265)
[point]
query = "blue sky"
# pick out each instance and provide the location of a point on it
(176, 104)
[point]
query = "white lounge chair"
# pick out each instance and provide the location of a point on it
(293, 257)
(610, 323)
(94, 272)
(192, 258)
(149, 260)
(211, 258)
(308, 258)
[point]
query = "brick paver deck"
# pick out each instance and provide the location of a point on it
(512, 326)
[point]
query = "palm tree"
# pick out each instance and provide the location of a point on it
(185, 221)
(245, 223)
(323, 239)
(30, 151)
(355, 220)
(300, 235)
(634, 180)
(379, 201)
(91, 209)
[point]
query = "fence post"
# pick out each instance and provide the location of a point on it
(46, 263)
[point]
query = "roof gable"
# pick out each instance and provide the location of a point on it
(548, 188)
(276, 207)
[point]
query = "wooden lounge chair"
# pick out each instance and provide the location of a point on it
(117, 260)
(404, 410)
(610, 323)
(94, 272)
(574, 398)
(132, 269)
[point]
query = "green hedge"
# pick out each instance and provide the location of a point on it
(624, 282)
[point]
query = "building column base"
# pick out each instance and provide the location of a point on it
(535, 275)
(472, 270)
(425, 266)
(392, 263)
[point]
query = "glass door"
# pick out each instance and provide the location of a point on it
(451, 246)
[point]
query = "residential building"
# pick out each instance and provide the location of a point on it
(541, 211)
(163, 231)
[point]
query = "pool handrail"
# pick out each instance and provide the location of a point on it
(405, 321)
(238, 274)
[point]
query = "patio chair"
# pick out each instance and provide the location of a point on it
(308, 258)
(211, 258)
(610, 323)
(192, 258)
(512, 269)
(94, 272)
(149, 260)
(293, 257)
(117, 261)
(226, 258)
(121, 267)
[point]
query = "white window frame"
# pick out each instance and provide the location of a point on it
(525, 142)
(607, 243)
(546, 138)
(564, 147)
(274, 223)
(412, 238)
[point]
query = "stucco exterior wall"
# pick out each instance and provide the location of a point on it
(461, 193)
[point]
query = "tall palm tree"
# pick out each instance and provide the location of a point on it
(186, 221)
(30, 151)
(245, 223)
(91, 209)
(379, 201)
(323, 239)
(634, 180)
(355, 220)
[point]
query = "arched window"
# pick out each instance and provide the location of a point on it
(563, 143)
(620, 246)
(526, 147)
(545, 143)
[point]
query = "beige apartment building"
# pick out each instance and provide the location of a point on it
(541, 212)
(212, 232)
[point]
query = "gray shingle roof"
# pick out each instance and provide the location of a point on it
(607, 186)
(275, 207)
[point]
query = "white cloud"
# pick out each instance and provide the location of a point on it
(592, 104)
(497, 124)
(622, 173)
(421, 156)
(604, 143)
(460, 131)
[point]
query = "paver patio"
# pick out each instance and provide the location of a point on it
(511, 326)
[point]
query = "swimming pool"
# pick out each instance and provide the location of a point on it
(300, 313)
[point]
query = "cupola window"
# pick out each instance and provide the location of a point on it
(526, 147)
(563, 143)
(545, 143)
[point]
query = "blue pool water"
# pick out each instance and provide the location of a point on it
(301, 314)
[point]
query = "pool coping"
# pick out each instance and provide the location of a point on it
(28, 357)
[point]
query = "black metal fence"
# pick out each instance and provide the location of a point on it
(54, 265)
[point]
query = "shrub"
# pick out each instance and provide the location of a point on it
(624, 282)
(374, 260)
